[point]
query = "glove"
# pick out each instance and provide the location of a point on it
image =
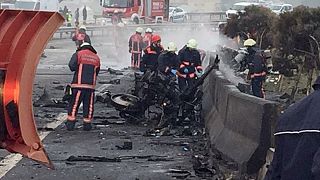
(186, 71)
(199, 73)
(173, 71)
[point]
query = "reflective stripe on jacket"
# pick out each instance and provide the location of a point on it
(147, 39)
(88, 66)
(150, 58)
(189, 62)
(136, 43)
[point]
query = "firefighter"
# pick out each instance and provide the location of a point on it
(116, 18)
(151, 54)
(257, 68)
(147, 37)
(81, 36)
(168, 61)
(297, 141)
(135, 48)
(190, 65)
(86, 65)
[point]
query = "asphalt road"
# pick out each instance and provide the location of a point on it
(151, 157)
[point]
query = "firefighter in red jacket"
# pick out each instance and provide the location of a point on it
(151, 54)
(86, 65)
(147, 37)
(81, 36)
(190, 65)
(135, 48)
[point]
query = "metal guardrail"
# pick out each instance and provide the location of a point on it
(194, 16)
(207, 16)
(109, 29)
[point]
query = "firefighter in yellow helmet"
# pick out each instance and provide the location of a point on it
(257, 67)
(80, 36)
(168, 62)
(190, 65)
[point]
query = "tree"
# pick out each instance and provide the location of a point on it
(255, 22)
(296, 33)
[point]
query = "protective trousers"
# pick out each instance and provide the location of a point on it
(256, 85)
(86, 96)
(135, 59)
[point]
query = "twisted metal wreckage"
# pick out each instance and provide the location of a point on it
(154, 88)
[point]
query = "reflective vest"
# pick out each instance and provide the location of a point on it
(86, 74)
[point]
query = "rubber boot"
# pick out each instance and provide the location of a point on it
(87, 126)
(70, 125)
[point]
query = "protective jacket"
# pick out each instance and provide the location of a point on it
(150, 58)
(168, 61)
(136, 44)
(147, 39)
(256, 64)
(86, 65)
(297, 138)
(189, 62)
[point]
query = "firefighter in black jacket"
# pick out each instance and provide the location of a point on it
(190, 65)
(151, 54)
(297, 141)
(168, 61)
(86, 65)
(257, 68)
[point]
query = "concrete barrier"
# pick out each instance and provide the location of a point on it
(239, 125)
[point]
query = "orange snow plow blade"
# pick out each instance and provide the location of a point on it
(23, 37)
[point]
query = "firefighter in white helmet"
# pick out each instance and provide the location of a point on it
(135, 47)
(80, 36)
(85, 63)
(147, 37)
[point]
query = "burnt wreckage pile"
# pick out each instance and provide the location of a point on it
(154, 90)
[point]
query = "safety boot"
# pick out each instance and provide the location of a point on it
(87, 126)
(70, 125)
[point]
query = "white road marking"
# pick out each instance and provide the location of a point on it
(12, 160)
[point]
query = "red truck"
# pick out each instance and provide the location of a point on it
(147, 10)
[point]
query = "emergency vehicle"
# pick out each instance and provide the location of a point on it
(136, 10)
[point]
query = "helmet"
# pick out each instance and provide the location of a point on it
(155, 38)
(149, 30)
(249, 43)
(192, 43)
(85, 44)
(83, 27)
(172, 47)
(139, 30)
